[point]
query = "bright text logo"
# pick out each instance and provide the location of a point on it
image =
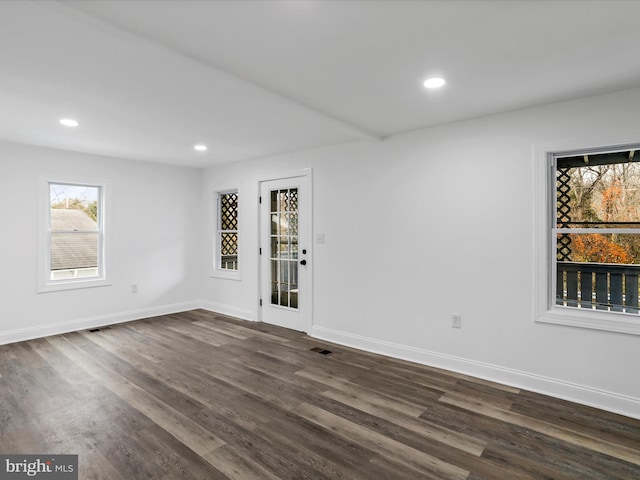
(45, 467)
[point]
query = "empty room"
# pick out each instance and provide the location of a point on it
(302, 239)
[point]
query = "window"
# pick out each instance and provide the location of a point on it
(595, 237)
(73, 239)
(226, 248)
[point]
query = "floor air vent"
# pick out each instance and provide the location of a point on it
(321, 351)
(99, 329)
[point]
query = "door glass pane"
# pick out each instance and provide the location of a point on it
(284, 247)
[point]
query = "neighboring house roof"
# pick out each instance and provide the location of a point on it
(76, 250)
(71, 219)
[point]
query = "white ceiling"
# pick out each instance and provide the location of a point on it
(149, 79)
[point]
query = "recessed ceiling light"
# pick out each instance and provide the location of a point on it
(69, 122)
(200, 148)
(435, 82)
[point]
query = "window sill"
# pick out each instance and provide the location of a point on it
(592, 319)
(228, 275)
(73, 285)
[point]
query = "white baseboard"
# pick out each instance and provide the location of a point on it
(585, 395)
(39, 331)
(228, 310)
(610, 401)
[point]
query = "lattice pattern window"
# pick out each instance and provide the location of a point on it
(227, 232)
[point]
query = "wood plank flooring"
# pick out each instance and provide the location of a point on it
(202, 396)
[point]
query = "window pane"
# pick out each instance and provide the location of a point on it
(292, 200)
(598, 195)
(275, 226)
(72, 220)
(74, 207)
(74, 255)
(229, 251)
(598, 286)
(615, 248)
(229, 211)
(284, 291)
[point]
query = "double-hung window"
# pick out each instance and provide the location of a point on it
(595, 238)
(226, 258)
(73, 244)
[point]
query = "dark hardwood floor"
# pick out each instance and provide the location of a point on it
(198, 395)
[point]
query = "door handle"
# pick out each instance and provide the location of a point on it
(303, 262)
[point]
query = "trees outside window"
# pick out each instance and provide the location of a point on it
(597, 231)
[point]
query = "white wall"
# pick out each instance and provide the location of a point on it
(155, 235)
(438, 221)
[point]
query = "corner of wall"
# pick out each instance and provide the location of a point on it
(229, 310)
(22, 334)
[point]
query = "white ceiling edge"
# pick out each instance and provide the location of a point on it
(71, 11)
(100, 80)
(253, 117)
(365, 61)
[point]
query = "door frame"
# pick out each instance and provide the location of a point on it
(308, 211)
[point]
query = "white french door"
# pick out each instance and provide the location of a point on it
(285, 260)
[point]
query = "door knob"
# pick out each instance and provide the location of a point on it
(303, 262)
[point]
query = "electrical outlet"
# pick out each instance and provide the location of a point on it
(456, 320)
(134, 288)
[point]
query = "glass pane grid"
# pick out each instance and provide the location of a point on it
(284, 247)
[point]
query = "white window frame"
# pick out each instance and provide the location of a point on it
(215, 231)
(546, 311)
(45, 284)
